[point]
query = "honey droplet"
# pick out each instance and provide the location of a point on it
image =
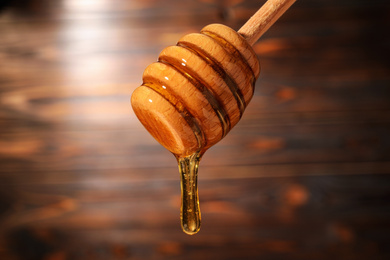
(189, 210)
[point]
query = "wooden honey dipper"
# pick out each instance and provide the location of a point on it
(198, 90)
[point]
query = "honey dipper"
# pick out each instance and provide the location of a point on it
(197, 91)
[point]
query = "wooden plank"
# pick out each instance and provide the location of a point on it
(108, 179)
(295, 138)
(323, 210)
(305, 174)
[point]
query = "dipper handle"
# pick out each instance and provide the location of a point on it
(263, 19)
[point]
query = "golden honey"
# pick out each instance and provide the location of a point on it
(192, 97)
(189, 210)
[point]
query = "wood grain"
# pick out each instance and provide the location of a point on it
(263, 19)
(197, 91)
(303, 175)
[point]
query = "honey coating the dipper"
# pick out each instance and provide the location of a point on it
(197, 92)
(192, 97)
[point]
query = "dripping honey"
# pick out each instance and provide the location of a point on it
(189, 211)
(192, 97)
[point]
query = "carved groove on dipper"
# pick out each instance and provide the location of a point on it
(153, 84)
(218, 68)
(203, 88)
(233, 51)
(238, 42)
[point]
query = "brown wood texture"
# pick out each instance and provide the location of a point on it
(263, 19)
(305, 174)
(198, 90)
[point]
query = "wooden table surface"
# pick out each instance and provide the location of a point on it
(304, 175)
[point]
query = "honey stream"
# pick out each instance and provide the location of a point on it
(189, 210)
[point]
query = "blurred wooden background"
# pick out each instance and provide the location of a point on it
(304, 175)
